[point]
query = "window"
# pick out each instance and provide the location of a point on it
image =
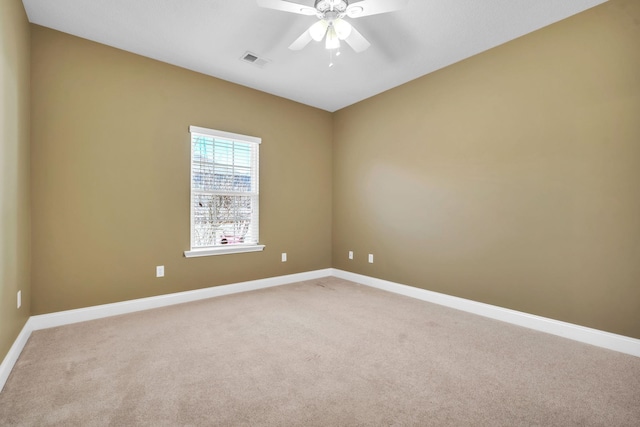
(224, 193)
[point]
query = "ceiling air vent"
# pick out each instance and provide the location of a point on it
(254, 59)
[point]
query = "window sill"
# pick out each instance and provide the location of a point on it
(231, 249)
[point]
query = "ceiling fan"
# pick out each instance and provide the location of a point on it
(331, 25)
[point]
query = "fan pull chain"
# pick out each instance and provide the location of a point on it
(331, 57)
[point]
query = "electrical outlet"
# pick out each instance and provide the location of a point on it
(350, 254)
(370, 258)
(284, 257)
(19, 299)
(160, 271)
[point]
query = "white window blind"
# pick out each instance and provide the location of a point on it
(224, 190)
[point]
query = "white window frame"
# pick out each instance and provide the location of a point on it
(231, 248)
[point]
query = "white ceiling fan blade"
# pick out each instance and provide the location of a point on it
(301, 41)
(374, 7)
(287, 6)
(357, 41)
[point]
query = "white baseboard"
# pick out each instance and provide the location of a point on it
(595, 337)
(583, 334)
(14, 352)
(44, 321)
(51, 320)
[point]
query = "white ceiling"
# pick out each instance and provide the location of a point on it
(211, 36)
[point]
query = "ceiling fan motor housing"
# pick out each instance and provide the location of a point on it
(324, 6)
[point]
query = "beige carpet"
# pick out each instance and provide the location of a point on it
(319, 353)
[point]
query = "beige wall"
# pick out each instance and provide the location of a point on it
(110, 175)
(14, 171)
(511, 178)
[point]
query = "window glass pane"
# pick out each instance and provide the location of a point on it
(242, 155)
(242, 180)
(223, 154)
(222, 219)
(223, 166)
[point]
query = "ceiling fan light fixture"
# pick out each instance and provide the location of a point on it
(333, 42)
(318, 30)
(342, 28)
